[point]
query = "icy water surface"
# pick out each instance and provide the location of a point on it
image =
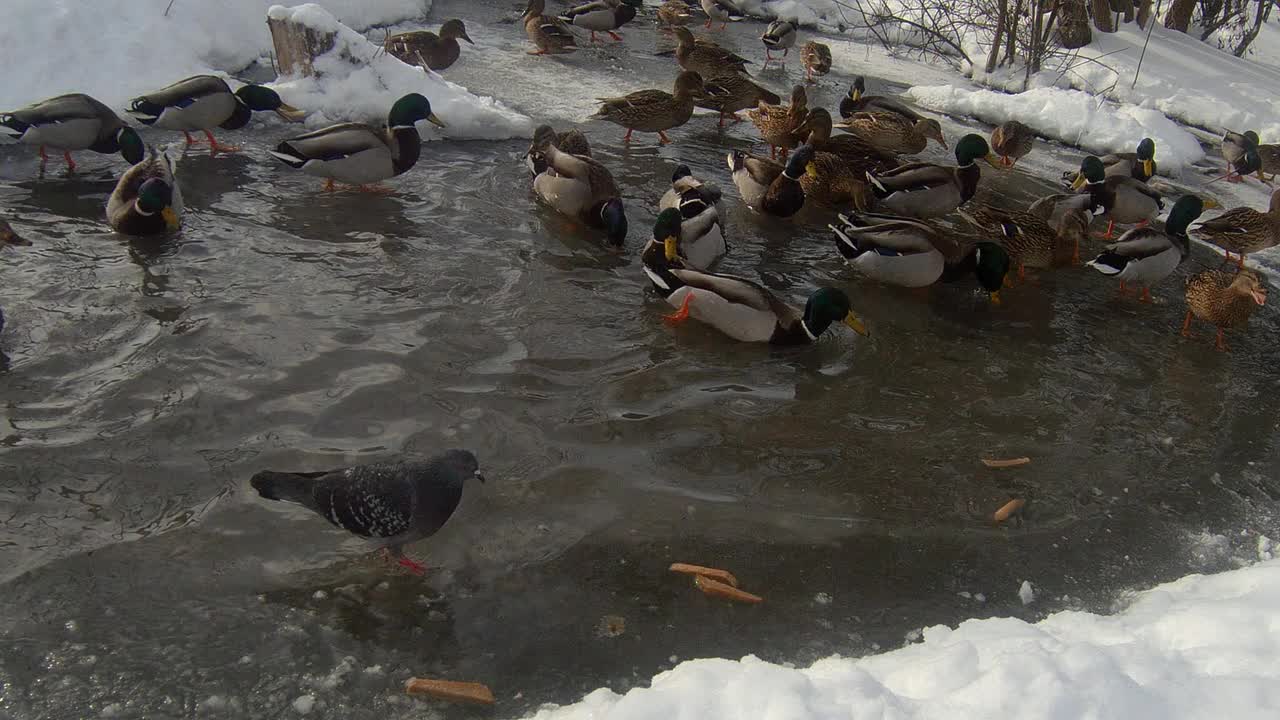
(283, 328)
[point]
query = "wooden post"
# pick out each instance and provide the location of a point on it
(297, 46)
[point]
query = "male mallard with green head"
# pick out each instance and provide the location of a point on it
(987, 262)
(550, 35)
(602, 16)
(694, 220)
(768, 187)
(928, 190)
(779, 35)
(1012, 141)
(360, 154)
(1244, 230)
(578, 186)
(1145, 256)
(1240, 150)
(894, 250)
(742, 309)
(1122, 199)
(1030, 241)
(1140, 165)
(73, 122)
(426, 49)
(205, 102)
(653, 110)
(857, 101)
(1224, 299)
(147, 199)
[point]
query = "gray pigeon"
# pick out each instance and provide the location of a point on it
(392, 503)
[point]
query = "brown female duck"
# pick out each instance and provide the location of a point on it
(778, 123)
(894, 133)
(654, 110)
(1223, 298)
(426, 49)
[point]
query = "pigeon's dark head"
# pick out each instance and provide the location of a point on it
(461, 465)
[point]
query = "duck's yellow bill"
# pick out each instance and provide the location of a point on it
(1148, 168)
(811, 170)
(436, 121)
(856, 94)
(1078, 182)
(995, 298)
(855, 323)
(1211, 204)
(992, 160)
(290, 113)
(670, 249)
(170, 218)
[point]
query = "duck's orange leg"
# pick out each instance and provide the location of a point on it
(1186, 325)
(682, 314)
(663, 139)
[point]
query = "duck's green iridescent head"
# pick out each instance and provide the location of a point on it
(614, 217)
(991, 264)
(131, 147)
(827, 306)
(666, 230)
(1252, 137)
(973, 147)
(1091, 171)
(1147, 156)
(154, 195)
(859, 88)
(1182, 214)
(259, 98)
(410, 109)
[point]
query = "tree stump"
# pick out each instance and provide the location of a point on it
(1073, 25)
(297, 46)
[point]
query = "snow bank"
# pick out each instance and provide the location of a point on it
(357, 86)
(1183, 78)
(1200, 647)
(120, 49)
(1074, 117)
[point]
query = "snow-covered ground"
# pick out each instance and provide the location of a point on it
(1072, 116)
(1200, 647)
(118, 50)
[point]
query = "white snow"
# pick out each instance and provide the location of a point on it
(1200, 647)
(119, 50)
(353, 84)
(1074, 117)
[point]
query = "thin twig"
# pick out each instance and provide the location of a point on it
(1150, 26)
(167, 7)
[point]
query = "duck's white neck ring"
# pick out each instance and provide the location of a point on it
(404, 127)
(785, 175)
(140, 211)
(968, 164)
(1091, 183)
(804, 327)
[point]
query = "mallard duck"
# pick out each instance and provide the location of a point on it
(1270, 157)
(73, 122)
(857, 101)
(570, 141)
(719, 11)
(674, 12)
(894, 133)
(853, 150)
(692, 215)
(602, 16)
(205, 102)
(816, 58)
(779, 35)
(1244, 230)
(1240, 150)
(742, 309)
(578, 186)
(360, 154)
(894, 250)
(1012, 141)
(424, 48)
(147, 199)
(653, 110)
(727, 94)
(768, 187)
(1224, 299)
(1069, 216)
(550, 35)
(10, 238)
(1140, 165)
(1029, 240)
(988, 262)
(927, 190)
(1145, 256)
(1122, 199)
(777, 124)
(706, 58)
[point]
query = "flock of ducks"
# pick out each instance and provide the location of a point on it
(888, 232)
